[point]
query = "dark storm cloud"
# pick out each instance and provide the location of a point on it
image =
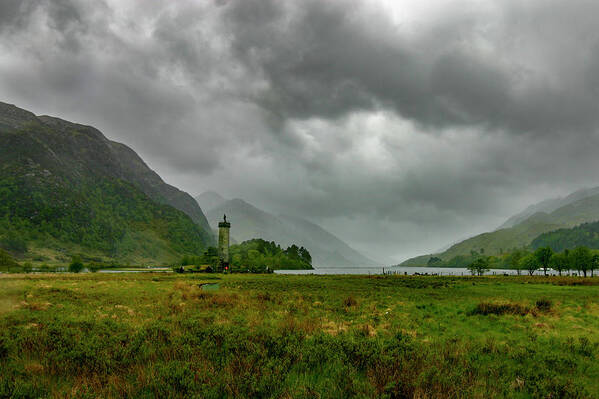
(398, 130)
(332, 58)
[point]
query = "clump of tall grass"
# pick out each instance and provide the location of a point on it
(488, 308)
(543, 305)
(350, 301)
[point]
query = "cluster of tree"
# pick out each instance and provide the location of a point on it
(480, 266)
(585, 235)
(256, 256)
(581, 259)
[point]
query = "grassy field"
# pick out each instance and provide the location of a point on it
(158, 335)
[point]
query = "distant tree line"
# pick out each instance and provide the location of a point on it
(581, 259)
(256, 256)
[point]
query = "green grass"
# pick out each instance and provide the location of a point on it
(154, 335)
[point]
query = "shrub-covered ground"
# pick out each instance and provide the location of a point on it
(161, 335)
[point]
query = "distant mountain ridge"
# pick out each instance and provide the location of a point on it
(249, 222)
(209, 200)
(579, 207)
(70, 182)
(549, 205)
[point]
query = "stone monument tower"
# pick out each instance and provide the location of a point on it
(223, 244)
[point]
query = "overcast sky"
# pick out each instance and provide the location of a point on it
(400, 126)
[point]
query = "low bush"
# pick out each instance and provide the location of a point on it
(76, 265)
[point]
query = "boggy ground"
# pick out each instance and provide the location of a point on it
(273, 336)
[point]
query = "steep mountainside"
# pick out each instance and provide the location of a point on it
(581, 207)
(249, 222)
(67, 188)
(118, 160)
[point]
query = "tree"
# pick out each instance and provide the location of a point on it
(479, 266)
(559, 262)
(594, 263)
(259, 256)
(581, 259)
(305, 255)
(543, 256)
(514, 260)
(530, 263)
(76, 265)
(94, 267)
(27, 267)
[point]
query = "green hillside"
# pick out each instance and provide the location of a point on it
(550, 205)
(587, 235)
(66, 189)
(580, 210)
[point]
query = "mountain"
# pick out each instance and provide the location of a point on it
(248, 222)
(579, 207)
(209, 200)
(66, 188)
(329, 248)
(549, 205)
(586, 234)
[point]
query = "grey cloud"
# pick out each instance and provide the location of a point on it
(332, 58)
(14, 13)
(399, 138)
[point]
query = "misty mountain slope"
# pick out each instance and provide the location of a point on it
(120, 161)
(67, 187)
(549, 205)
(134, 170)
(249, 222)
(502, 240)
(580, 207)
(209, 200)
(337, 249)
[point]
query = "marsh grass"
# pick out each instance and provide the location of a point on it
(136, 335)
(486, 308)
(543, 305)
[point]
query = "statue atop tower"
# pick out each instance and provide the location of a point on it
(223, 244)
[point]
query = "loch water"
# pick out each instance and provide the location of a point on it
(410, 271)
